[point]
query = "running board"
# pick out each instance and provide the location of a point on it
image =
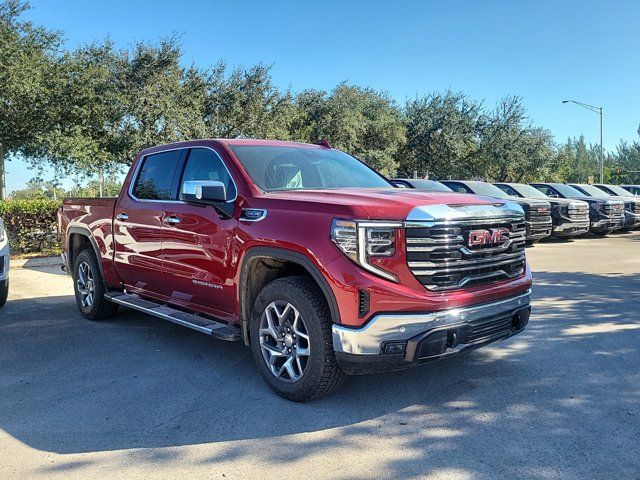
(218, 330)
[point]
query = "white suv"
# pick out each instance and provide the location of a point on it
(4, 265)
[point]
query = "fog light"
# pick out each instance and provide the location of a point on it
(393, 348)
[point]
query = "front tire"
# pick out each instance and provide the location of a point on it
(89, 288)
(291, 340)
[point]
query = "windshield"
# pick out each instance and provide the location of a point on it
(430, 185)
(528, 191)
(567, 191)
(593, 191)
(618, 190)
(275, 168)
(480, 188)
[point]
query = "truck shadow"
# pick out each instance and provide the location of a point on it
(71, 386)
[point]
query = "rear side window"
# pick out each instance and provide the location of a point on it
(156, 176)
(204, 164)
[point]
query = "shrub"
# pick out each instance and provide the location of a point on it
(31, 225)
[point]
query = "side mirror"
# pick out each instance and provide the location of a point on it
(204, 192)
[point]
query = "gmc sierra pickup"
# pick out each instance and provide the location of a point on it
(306, 254)
(570, 217)
(605, 215)
(537, 212)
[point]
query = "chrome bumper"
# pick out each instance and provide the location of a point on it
(395, 327)
(572, 227)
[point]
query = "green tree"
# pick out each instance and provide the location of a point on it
(511, 147)
(26, 52)
(441, 135)
(361, 121)
(624, 164)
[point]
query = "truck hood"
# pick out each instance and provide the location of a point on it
(384, 203)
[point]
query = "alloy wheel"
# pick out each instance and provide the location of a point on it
(284, 341)
(85, 285)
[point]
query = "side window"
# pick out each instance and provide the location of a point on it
(458, 187)
(155, 177)
(205, 164)
(508, 190)
(546, 190)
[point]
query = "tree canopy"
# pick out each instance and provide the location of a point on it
(92, 108)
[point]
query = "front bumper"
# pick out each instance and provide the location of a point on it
(538, 230)
(4, 262)
(398, 340)
(607, 224)
(631, 220)
(571, 228)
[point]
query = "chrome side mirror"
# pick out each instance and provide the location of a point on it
(203, 192)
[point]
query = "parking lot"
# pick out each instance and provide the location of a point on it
(137, 397)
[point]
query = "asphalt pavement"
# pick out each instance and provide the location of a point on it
(136, 397)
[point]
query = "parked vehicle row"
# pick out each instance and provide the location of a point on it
(554, 209)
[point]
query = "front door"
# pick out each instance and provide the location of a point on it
(197, 249)
(138, 227)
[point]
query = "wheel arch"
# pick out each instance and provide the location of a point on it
(261, 265)
(78, 239)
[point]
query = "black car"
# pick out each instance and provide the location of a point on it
(570, 217)
(605, 215)
(537, 211)
(631, 203)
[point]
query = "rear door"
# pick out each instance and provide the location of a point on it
(197, 247)
(138, 227)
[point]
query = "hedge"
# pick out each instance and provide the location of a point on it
(31, 225)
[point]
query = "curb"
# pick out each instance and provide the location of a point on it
(36, 262)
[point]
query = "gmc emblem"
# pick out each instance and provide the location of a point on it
(487, 237)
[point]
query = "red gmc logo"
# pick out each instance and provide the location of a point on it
(487, 237)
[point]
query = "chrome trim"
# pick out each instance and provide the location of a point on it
(171, 220)
(123, 217)
(361, 230)
(134, 177)
(368, 340)
(262, 216)
(447, 255)
(445, 214)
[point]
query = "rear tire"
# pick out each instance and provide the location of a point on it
(4, 293)
(89, 288)
(291, 324)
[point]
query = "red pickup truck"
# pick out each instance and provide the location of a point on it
(305, 254)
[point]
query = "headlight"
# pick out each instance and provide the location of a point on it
(2, 232)
(362, 240)
(598, 207)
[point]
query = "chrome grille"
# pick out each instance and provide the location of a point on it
(579, 212)
(636, 208)
(614, 209)
(441, 259)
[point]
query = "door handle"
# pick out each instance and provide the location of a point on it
(171, 220)
(123, 217)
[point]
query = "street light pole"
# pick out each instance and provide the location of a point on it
(597, 110)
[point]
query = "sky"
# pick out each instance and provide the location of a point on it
(542, 51)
